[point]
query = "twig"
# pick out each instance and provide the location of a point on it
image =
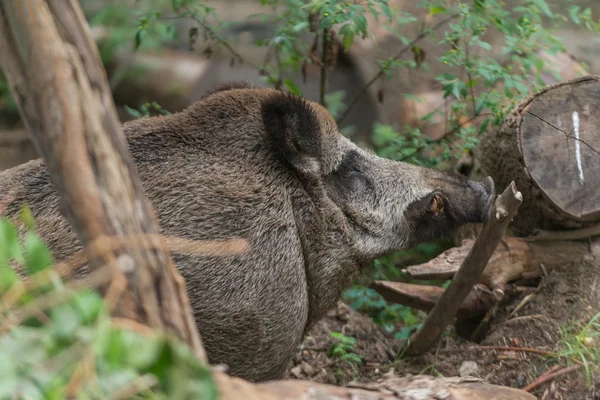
(85, 369)
(400, 53)
(523, 318)
(521, 305)
(324, 67)
(526, 350)
(546, 378)
(132, 325)
(441, 315)
(224, 42)
(550, 370)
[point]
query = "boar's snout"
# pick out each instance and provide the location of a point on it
(455, 202)
(473, 204)
(484, 195)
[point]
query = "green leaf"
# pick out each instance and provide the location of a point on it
(387, 10)
(484, 126)
(26, 216)
(543, 6)
(10, 248)
(436, 9)
(361, 23)
(574, 14)
(88, 304)
(133, 112)
(348, 36)
(176, 4)
(300, 26)
(7, 278)
(37, 254)
(139, 36)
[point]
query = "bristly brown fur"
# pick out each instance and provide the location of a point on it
(270, 168)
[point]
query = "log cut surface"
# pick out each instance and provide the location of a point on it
(560, 141)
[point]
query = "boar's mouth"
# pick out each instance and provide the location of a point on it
(441, 212)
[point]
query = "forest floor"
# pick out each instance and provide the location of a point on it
(552, 320)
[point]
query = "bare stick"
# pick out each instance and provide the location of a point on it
(324, 65)
(424, 297)
(441, 315)
(549, 377)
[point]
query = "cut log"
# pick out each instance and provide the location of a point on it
(550, 147)
(407, 387)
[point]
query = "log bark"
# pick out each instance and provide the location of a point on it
(550, 147)
(514, 259)
(441, 315)
(408, 387)
(60, 86)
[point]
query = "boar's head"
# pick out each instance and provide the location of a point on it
(388, 205)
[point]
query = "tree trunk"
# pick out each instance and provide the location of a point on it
(60, 86)
(550, 147)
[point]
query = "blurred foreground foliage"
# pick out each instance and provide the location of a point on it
(57, 339)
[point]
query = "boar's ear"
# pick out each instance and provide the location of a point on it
(293, 125)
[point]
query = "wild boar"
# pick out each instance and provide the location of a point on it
(272, 168)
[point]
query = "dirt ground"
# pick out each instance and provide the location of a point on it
(567, 298)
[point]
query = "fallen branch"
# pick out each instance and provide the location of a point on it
(423, 386)
(515, 259)
(526, 350)
(443, 312)
(424, 297)
(548, 377)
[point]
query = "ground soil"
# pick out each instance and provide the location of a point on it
(568, 296)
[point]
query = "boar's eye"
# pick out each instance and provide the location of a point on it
(348, 171)
(437, 205)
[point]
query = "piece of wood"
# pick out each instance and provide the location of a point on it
(424, 297)
(550, 147)
(514, 259)
(505, 207)
(424, 387)
(59, 84)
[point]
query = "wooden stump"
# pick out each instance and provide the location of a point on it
(550, 147)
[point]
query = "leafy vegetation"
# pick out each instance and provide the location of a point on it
(583, 344)
(343, 349)
(57, 340)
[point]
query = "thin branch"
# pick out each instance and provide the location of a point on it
(224, 42)
(549, 377)
(398, 55)
(443, 312)
(324, 67)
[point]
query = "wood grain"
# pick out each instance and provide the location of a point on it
(559, 138)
